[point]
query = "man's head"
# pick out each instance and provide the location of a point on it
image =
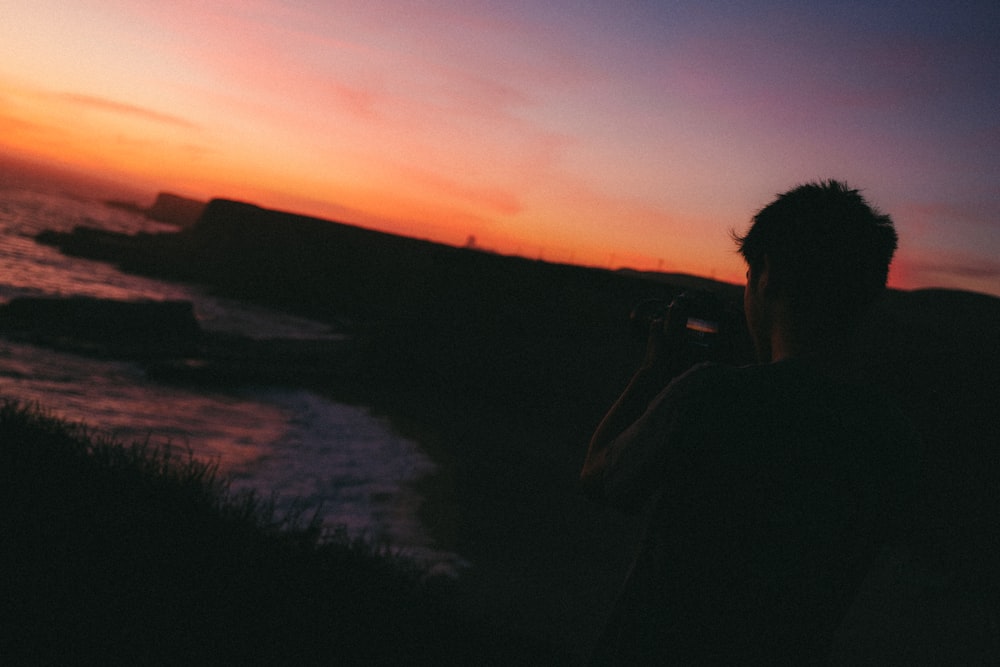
(822, 252)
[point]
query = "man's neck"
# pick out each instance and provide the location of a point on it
(827, 355)
(821, 346)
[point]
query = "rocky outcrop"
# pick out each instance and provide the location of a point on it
(166, 338)
(520, 360)
(169, 208)
(229, 360)
(175, 210)
(105, 327)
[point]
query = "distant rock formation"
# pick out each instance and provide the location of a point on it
(485, 340)
(166, 337)
(169, 208)
(105, 327)
(175, 210)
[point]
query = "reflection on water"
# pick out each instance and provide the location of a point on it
(291, 445)
(116, 398)
(282, 442)
(343, 459)
(30, 269)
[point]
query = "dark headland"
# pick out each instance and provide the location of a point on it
(167, 207)
(501, 367)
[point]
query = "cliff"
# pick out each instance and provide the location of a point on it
(175, 210)
(509, 364)
(104, 327)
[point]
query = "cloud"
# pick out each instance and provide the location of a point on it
(11, 124)
(494, 199)
(104, 104)
(978, 268)
(950, 269)
(356, 100)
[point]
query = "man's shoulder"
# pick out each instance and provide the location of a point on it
(791, 385)
(714, 378)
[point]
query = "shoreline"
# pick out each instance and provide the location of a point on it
(544, 561)
(130, 554)
(505, 365)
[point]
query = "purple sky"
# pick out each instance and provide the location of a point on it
(627, 133)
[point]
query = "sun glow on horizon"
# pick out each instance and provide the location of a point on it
(613, 139)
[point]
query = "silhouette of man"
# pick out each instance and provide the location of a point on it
(770, 488)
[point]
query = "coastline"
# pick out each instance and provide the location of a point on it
(133, 554)
(502, 366)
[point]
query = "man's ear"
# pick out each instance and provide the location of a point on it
(764, 276)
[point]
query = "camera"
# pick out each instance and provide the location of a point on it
(709, 325)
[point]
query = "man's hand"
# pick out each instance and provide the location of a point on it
(665, 341)
(663, 360)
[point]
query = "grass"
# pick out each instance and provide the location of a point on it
(509, 364)
(118, 553)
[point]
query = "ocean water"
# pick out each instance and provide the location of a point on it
(293, 445)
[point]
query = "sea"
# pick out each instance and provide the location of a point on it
(293, 446)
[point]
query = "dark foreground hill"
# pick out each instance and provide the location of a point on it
(503, 366)
(118, 554)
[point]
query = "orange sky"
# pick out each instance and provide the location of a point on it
(637, 137)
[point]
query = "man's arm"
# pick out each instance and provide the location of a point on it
(644, 386)
(657, 369)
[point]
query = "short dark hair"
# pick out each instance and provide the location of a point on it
(828, 251)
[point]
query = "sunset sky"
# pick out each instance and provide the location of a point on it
(604, 133)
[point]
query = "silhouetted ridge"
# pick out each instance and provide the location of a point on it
(175, 210)
(514, 362)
